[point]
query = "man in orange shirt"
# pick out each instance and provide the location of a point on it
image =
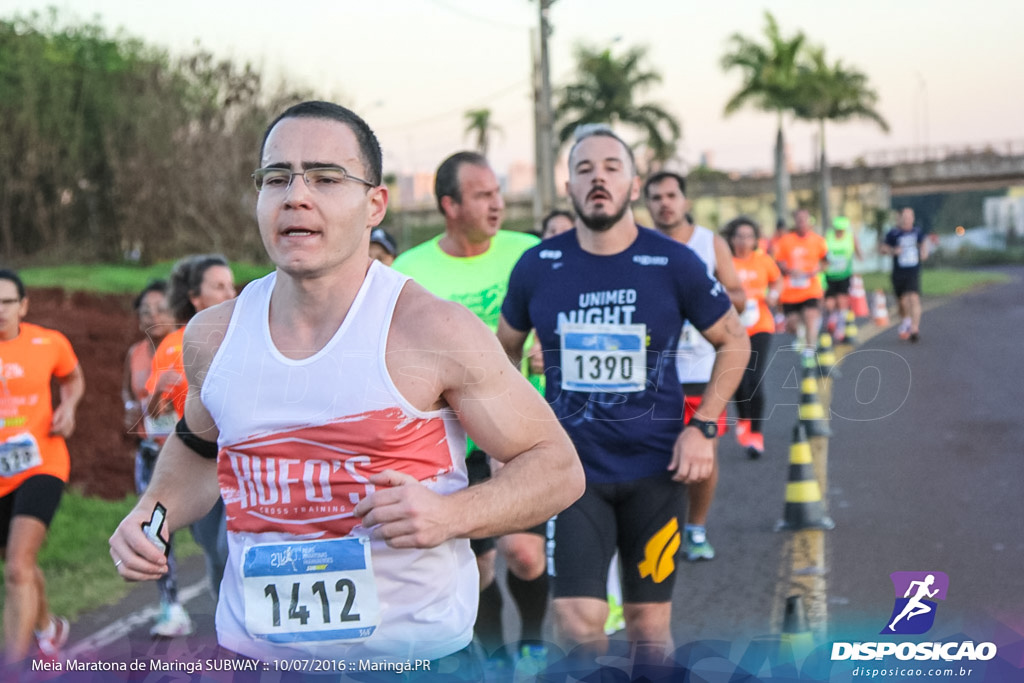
(801, 254)
(34, 464)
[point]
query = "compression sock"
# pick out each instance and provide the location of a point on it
(488, 619)
(531, 597)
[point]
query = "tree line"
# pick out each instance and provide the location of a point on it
(113, 148)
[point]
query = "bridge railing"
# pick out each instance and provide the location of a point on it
(925, 153)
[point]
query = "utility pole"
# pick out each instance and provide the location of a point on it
(543, 118)
(538, 178)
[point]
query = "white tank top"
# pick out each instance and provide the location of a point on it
(696, 355)
(298, 439)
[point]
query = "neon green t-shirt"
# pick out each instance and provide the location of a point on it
(477, 282)
(840, 255)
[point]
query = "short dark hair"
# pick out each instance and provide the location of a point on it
(729, 231)
(186, 279)
(590, 130)
(11, 276)
(664, 175)
(554, 214)
(369, 146)
(153, 286)
(446, 180)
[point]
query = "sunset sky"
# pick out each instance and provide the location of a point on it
(948, 73)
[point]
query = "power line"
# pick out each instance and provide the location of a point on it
(458, 110)
(476, 17)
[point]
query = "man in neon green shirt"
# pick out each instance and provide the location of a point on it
(842, 248)
(470, 263)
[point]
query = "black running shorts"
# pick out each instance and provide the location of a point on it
(906, 280)
(837, 287)
(789, 309)
(644, 519)
(38, 497)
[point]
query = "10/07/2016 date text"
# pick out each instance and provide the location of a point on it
(341, 665)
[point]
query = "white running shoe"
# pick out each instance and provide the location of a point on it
(173, 622)
(54, 637)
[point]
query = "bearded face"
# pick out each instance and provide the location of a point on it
(602, 181)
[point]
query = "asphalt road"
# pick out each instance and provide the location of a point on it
(934, 483)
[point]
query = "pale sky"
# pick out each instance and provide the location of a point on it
(948, 72)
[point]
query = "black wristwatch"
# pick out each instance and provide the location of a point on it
(708, 429)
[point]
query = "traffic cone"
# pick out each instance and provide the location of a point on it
(826, 354)
(858, 297)
(880, 314)
(796, 633)
(812, 413)
(850, 335)
(804, 507)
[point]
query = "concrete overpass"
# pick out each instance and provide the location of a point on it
(864, 190)
(903, 172)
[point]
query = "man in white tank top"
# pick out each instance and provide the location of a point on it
(665, 196)
(329, 405)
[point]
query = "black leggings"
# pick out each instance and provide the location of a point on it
(750, 393)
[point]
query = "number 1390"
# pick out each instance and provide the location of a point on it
(607, 367)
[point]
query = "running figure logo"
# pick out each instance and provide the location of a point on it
(914, 608)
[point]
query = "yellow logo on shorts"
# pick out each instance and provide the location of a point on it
(659, 553)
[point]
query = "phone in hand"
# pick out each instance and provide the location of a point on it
(153, 527)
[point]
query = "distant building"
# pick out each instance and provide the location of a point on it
(414, 189)
(1005, 214)
(520, 178)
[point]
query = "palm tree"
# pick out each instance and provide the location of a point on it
(605, 91)
(479, 123)
(770, 77)
(833, 92)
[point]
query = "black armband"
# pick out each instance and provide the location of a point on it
(201, 447)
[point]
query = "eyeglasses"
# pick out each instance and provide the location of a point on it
(152, 310)
(322, 179)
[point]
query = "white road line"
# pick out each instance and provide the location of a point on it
(122, 627)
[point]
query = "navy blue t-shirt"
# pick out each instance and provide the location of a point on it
(909, 257)
(614, 321)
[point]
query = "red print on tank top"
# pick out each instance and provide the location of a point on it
(307, 480)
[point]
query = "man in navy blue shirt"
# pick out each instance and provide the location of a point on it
(909, 248)
(608, 301)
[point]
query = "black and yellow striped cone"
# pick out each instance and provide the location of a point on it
(804, 507)
(826, 354)
(796, 633)
(850, 334)
(812, 413)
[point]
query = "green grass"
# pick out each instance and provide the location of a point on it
(76, 558)
(117, 279)
(940, 281)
